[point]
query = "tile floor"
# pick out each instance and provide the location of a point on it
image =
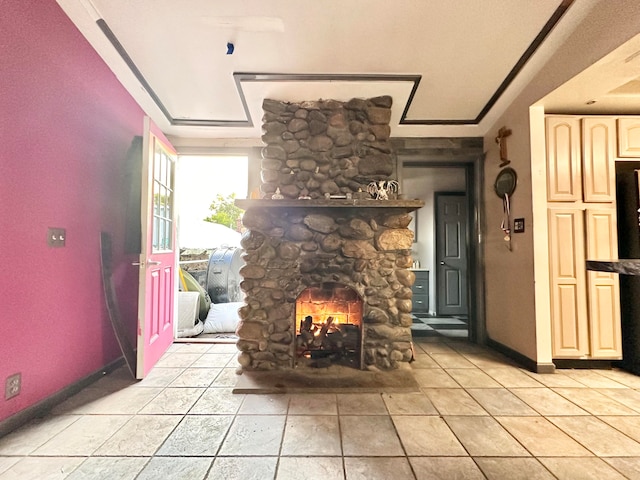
(476, 416)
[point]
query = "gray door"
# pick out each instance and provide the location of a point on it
(451, 253)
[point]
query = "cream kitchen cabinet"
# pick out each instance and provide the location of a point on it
(581, 159)
(581, 215)
(629, 137)
(585, 314)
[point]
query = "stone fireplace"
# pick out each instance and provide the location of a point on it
(326, 272)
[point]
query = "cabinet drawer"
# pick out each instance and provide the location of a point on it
(420, 288)
(420, 303)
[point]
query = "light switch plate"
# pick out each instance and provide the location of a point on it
(56, 237)
(518, 225)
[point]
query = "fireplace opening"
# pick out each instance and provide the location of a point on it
(329, 326)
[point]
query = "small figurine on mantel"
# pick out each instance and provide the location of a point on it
(383, 189)
(277, 195)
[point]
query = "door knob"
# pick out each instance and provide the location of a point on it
(442, 263)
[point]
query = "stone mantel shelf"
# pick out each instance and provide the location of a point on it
(407, 205)
(623, 266)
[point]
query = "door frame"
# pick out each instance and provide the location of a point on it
(438, 245)
(474, 177)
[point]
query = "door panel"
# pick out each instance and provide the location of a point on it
(603, 289)
(569, 325)
(157, 257)
(451, 253)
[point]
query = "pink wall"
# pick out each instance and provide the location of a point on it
(65, 124)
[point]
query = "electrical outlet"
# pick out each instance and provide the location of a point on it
(12, 386)
(56, 236)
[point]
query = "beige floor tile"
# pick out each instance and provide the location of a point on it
(427, 436)
(7, 462)
(513, 469)
(422, 360)
(485, 437)
(118, 379)
(629, 466)
(547, 402)
(34, 434)
(630, 426)
(452, 360)
(369, 435)
(357, 468)
(160, 377)
(83, 436)
(224, 348)
(178, 359)
(39, 468)
(434, 378)
(408, 404)
(594, 402)
(361, 404)
(593, 379)
(313, 404)
(194, 347)
(542, 438)
(243, 468)
(213, 360)
(226, 378)
(630, 398)
(472, 378)
(127, 401)
(597, 436)
(621, 376)
(488, 360)
(217, 401)
(176, 468)
(462, 345)
(581, 469)
(111, 468)
(512, 377)
(275, 404)
(196, 377)
(553, 380)
(197, 435)
(254, 435)
(435, 347)
(453, 401)
(301, 468)
(500, 401)
(143, 434)
(317, 435)
(78, 401)
(445, 468)
(173, 401)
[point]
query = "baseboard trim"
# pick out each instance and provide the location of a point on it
(41, 408)
(526, 362)
(583, 364)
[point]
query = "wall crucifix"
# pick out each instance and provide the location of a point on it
(501, 140)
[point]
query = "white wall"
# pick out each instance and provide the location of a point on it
(422, 183)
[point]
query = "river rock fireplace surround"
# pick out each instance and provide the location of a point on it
(327, 274)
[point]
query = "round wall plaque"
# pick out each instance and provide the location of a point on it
(505, 183)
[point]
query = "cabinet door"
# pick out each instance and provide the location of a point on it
(603, 290)
(569, 323)
(564, 177)
(599, 178)
(629, 137)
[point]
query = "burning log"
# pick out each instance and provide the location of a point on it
(319, 339)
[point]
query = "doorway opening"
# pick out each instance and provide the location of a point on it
(209, 230)
(443, 293)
